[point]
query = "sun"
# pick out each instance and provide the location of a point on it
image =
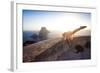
(64, 24)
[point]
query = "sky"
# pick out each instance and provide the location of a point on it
(54, 20)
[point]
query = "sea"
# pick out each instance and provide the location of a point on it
(27, 35)
(33, 35)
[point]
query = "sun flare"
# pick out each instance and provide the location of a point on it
(63, 23)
